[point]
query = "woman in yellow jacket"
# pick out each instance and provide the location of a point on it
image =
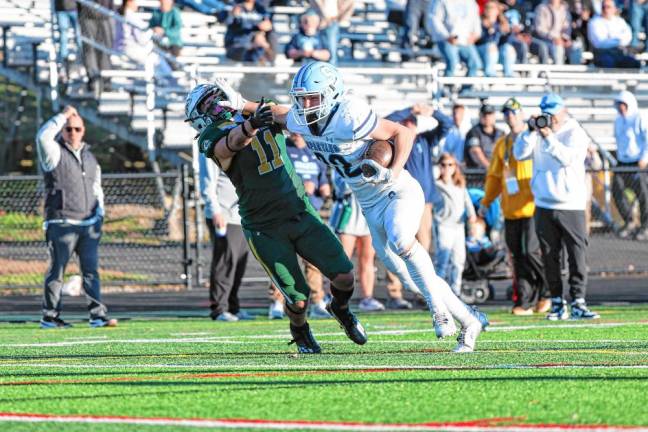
(511, 179)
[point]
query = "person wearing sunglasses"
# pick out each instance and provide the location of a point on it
(511, 179)
(558, 150)
(74, 213)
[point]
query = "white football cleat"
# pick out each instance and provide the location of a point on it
(467, 338)
(444, 325)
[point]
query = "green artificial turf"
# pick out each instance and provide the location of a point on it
(526, 370)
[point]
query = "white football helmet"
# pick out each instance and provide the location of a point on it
(200, 120)
(315, 79)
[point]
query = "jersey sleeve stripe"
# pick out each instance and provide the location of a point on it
(371, 113)
(365, 132)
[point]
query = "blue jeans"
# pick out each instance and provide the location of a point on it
(332, 37)
(545, 49)
(490, 54)
(67, 20)
(455, 53)
(638, 20)
(62, 241)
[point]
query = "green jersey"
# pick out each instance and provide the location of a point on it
(269, 190)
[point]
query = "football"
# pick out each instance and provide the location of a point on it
(380, 151)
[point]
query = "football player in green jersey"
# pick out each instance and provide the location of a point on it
(278, 220)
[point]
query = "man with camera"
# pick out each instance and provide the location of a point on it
(511, 179)
(74, 214)
(558, 146)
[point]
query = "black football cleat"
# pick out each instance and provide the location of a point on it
(303, 337)
(349, 322)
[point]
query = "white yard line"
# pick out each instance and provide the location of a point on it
(307, 425)
(341, 367)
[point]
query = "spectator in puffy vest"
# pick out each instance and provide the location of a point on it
(74, 214)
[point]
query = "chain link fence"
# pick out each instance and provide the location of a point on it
(150, 231)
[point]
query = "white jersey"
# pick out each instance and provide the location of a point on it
(342, 144)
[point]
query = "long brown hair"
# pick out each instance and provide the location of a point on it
(457, 178)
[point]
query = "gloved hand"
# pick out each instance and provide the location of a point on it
(382, 174)
(234, 98)
(262, 117)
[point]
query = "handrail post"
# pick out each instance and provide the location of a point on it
(186, 260)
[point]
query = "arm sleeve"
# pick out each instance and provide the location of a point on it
(322, 178)
(98, 193)
(435, 135)
(361, 118)
(399, 115)
(437, 18)
(173, 32)
(209, 173)
(626, 33)
(291, 45)
(568, 154)
(49, 151)
(541, 23)
(493, 186)
(643, 139)
(524, 145)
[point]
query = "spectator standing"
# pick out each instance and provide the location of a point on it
(451, 209)
(166, 23)
(229, 248)
(454, 141)
(67, 18)
(492, 45)
(97, 27)
(333, 14)
(308, 44)
(638, 22)
(316, 185)
(481, 139)
(419, 163)
(631, 133)
(558, 151)
(455, 26)
(552, 34)
(610, 36)
(249, 35)
(415, 13)
(74, 214)
(511, 179)
(137, 44)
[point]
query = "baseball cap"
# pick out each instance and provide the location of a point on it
(511, 104)
(487, 109)
(551, 103)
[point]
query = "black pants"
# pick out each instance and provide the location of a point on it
(555, 228)
(522, 242)
(636, 181)
(229, 259)
(100, 31)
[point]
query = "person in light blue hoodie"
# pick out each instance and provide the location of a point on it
(631, 133)
(558, 184)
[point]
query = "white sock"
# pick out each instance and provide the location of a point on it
(440, 297)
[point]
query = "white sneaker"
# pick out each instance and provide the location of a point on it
(370, 304)
(227, 317)
(467, 338)
(444, 325)
(318, 311)
(276, 310)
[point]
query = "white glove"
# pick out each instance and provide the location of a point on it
(234, 98)
(382, 175)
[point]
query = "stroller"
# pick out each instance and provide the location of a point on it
(486, 257)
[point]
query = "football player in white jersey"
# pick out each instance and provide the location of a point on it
(338, 128)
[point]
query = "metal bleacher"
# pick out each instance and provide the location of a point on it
(149, 114)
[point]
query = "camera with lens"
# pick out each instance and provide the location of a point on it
(540, 121)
